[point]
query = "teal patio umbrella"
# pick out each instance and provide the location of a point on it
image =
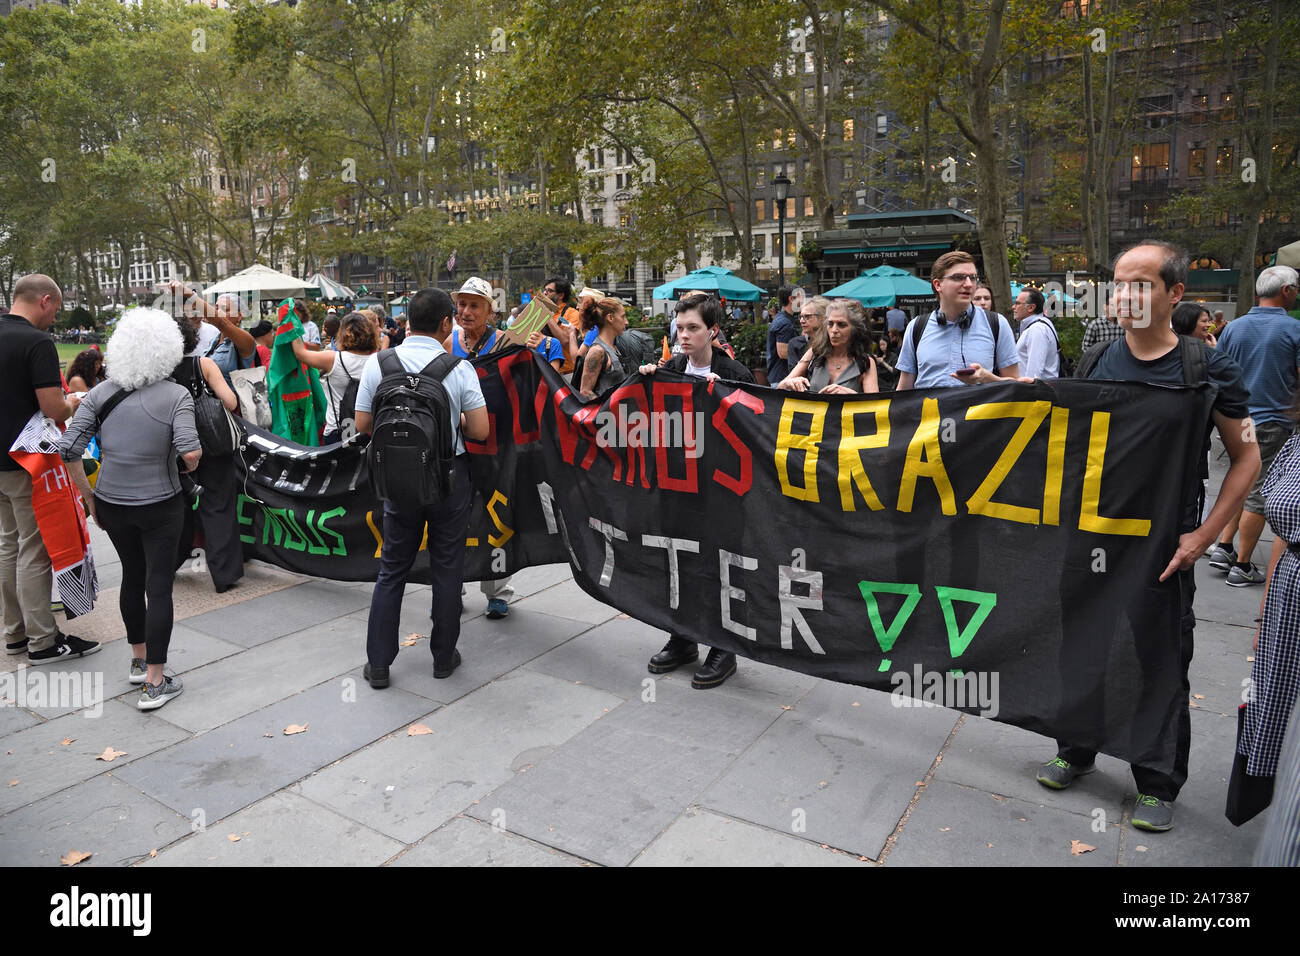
(884, 286)
(711, 279)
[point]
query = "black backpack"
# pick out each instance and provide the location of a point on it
(918, 330)
(636, 348)
(347, 407)
(412, 446)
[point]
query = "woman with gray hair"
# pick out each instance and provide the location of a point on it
(144, 422)
(839, 361)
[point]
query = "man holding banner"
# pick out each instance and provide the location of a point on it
(1149, 281)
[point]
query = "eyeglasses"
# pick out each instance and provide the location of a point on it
(962, 278)
(549, 290)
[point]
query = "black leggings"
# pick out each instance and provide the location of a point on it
(145, 537)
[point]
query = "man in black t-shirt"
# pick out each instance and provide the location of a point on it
(29, 381)
(1149, 281)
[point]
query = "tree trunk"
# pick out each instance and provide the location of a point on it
(1261, 144)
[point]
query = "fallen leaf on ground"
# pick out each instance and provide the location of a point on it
(295, 729)
(411, 640)
(152, 854)
(415, 730)
(624, 617)
(855, 704)
(268, 735)
(944, 829)
(1024, 819)
(1140, 848)
(1199, 696)
(66, 740)
(786, 707)
(1192, 703)
(13, 783)
(109, 755)
(1250, 660)
(74, 857)
(1077, 847)
(988, 844)
(232, 837)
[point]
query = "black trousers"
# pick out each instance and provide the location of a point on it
(218, 520)
(145, 537)
(1084, 705)
(403, 531)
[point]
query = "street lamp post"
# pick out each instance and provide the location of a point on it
(782, 186)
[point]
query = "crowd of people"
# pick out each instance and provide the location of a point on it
(168, 380)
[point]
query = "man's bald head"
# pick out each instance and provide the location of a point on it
(38, 299)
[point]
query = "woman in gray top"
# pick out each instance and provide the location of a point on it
(839, 362)
(138, 497)
(601, 368)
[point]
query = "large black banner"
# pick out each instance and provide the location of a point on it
(992, 548)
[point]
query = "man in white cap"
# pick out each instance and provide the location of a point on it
(471, 337)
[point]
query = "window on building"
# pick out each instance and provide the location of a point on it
(791, 138)
(789, 208)
(729, 247)
(809, 63)
(223, 181)
(1150, 162)
(882, 125)
(790, 244)
(1200, 105)
(1223, 161)
(760, 245)
(1226, 102)
(848, 131)
(776, 139)
(624, 221)
(600, 158)
(717, 248)
(261, 192)
(275, 190)
(807, 205)
(760, 209)
(1196, 161)
(759, 175)
(261, 212)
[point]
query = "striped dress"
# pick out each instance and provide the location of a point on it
(1275, 678)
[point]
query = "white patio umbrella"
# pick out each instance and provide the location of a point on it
(266, 282)
(329, 288)
(1289, 255)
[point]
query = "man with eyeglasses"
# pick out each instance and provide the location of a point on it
(958, 343)
(563, 325)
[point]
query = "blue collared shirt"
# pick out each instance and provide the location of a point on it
(947, 347)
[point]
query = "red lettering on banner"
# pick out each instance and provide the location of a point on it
(635, 450)
(742, 484)
(504, 367)
(685, 392)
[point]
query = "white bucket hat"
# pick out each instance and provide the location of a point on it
(475, 286)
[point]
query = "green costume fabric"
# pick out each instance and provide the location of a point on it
(297, 399)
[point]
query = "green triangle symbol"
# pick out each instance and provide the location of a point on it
(885, 637)
(959, 641)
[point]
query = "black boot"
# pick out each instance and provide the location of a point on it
(718, 666)
(676, 652)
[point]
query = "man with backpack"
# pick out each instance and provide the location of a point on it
(958, 343)
(1149, 281)
(419, 404)
(1038, 346)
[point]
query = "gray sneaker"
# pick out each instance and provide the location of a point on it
(138, 670)
(1153, 814)
(153, 696)
(1058, 774)
(1241, 578)
(1221, 558)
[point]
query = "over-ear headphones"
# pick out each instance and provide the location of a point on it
(963, 322)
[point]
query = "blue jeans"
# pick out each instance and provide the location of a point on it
(403, 531)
